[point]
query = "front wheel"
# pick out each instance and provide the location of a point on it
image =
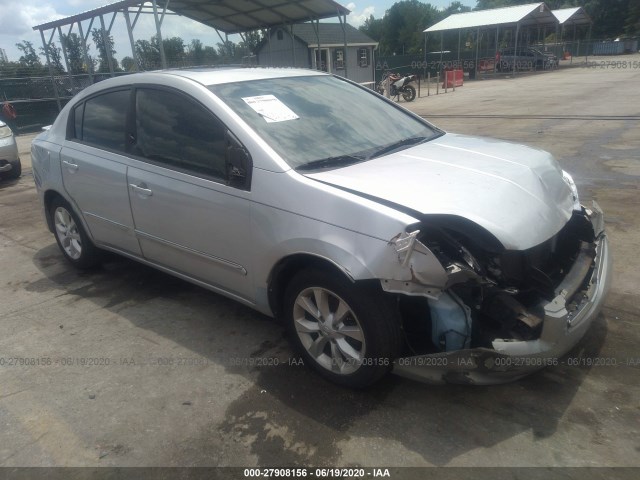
(71, 237)
(408, 93)
(347, 332)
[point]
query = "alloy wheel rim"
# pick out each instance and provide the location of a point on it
(329, 330)
(67, 233)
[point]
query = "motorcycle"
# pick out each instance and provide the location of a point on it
(398, 85)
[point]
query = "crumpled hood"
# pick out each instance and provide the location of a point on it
(515, 192)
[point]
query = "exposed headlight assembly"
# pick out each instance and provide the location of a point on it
(574, 190)
(5, 131)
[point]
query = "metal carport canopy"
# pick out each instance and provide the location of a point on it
(229, 16)
(523, 15)
(572, 16)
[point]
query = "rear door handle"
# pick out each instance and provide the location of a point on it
(71, 166)
(141, 189)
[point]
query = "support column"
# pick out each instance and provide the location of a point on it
(66, 59)
(85, 50)
(53, 80)
(105, 42)
(556, 49)
(318, 56)
(425, 47)
(515, 51)
(343, 24)
(131, 41)
(163, 58)
(573, 45)
(293, 45)
(477, 51)
(495, 58)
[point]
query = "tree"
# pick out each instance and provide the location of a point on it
(148, 55)
(72, 43)
(609, 16)
(127, 64)
(55, 57)
(211, 56)
(195, 52)
(173, 50)
(199, 54)
(403, 25)
(372, 27)
(227, 51)
(104, 43)
(456, 7)
(29, 57)
(632, 25)
(148, 52)
(249, 45)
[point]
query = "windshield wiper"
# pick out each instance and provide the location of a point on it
(407, 142)
(337, 161)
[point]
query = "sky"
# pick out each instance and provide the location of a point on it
(17, 17)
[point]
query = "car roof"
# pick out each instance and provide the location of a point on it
(203, 75)
(219, 75)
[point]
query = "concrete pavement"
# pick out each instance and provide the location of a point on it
(126, 366)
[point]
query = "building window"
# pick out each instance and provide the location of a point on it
(339, 59)
(280, 35)
(363, 57)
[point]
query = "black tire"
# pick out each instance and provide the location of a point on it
(409, 93)
(367, 314)
(72, 240)
(16, 170)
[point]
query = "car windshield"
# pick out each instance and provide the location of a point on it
(322, 121)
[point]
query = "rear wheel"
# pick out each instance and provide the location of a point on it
(71, 237)
(349, 333)
(409, 93)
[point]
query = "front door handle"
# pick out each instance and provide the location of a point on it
(141, 189)
(71, 166)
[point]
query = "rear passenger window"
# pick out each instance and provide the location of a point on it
(104, 120)
(176, 131)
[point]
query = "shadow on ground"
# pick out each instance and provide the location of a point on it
(291, 416)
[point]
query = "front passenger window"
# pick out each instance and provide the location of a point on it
(175, 131)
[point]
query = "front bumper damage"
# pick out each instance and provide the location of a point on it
(566, 319)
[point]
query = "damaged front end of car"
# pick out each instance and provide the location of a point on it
(492, 315)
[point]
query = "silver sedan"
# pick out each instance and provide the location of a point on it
(10, 166)
(381, 241)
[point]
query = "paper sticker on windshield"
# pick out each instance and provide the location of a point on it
(272, 109)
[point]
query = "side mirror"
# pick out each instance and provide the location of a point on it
(239, 163)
